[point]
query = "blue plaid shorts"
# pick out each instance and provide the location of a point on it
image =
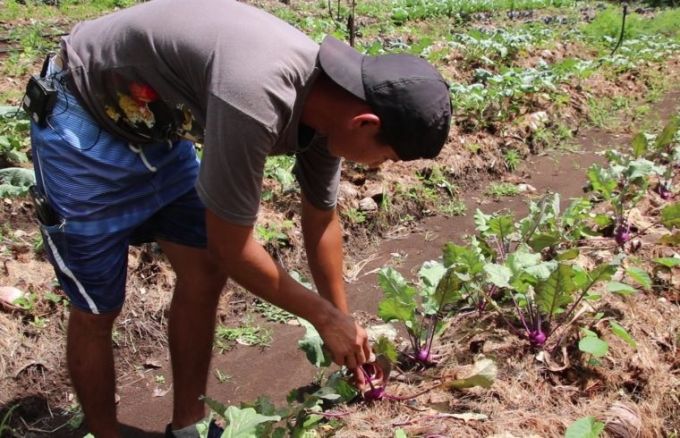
(109, 194)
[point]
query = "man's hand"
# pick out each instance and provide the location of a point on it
(345, 339)
(248, 263)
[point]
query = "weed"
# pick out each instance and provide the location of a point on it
(607, 24)
(474, 148)
(599, 112)
(354, 216)
(274, 235)
(39, 322)
(14, 141)
(512, 159)
(4, 424)
(500, 189)
(435, 177)
(226, 337)
(454, 207)
(27, 302)
(77, 416)
(221, 377)
(280, 168)
(38, 244)
(273, 313)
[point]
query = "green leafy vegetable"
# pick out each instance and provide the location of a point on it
(587, 427)
(312, 345)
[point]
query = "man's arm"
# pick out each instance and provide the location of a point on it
(323, 243)
(247, 262)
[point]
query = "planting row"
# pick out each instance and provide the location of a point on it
(533, 273)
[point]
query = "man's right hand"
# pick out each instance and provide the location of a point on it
(345, 339)
(252, 267)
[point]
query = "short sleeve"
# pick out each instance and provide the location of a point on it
(232, 166)
(318, 173)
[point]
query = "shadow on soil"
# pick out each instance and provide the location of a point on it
(33, 416)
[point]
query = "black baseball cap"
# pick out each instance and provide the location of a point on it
(406, 92)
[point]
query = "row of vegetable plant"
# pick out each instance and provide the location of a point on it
(530, 272)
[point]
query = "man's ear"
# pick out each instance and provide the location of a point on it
(364, 120)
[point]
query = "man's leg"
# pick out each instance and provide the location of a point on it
(89, 353)
(191, 327)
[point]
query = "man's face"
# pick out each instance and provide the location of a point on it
(359, 143)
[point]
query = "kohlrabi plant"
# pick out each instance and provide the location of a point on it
(664, 149)
(622, 184)
(420, 308)
(545, 295)
(546, 232)
(529, 264)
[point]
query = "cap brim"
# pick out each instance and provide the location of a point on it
(342, 64)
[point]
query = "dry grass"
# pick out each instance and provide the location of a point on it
(635, 391)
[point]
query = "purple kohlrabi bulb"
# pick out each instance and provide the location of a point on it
(622, 234)
(376, 393)
(537, 337)
(423, 355)
(663, 191)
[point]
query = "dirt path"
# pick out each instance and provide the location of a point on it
(276, 370)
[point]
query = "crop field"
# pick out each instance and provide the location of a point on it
(526, 283)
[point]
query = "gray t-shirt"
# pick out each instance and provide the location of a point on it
(216, 71)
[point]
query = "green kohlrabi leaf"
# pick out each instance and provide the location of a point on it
(623, 334)
(498, 274)
(399, 302)
(642, 168)
(448, 289)
(242, 423)
(640, 276)
(431, 272)
(342, 387)
(620, 288)
(399, 433)
(394, 285)
(555, 292)
(666, 137)
(524, 261)
(603, 220)
(670, 216)
(390, 309)
(387, 348)
(312, 345)
(639, 145)
(592, 344)
(452, 253)
(603, 272)
(670, 239)
(481, 221)
(669, 262)
(466, 259)
(15, 181)
(602, 182)
(587, 427)
(541, 241)
(569, 254)
(502, 226)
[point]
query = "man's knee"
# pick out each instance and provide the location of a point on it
(208, 278)
(82, 323)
